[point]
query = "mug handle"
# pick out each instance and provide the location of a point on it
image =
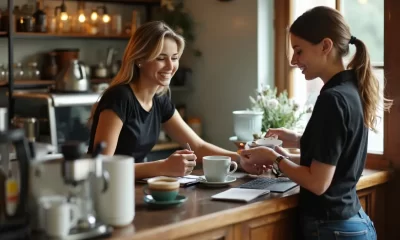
(146, 190)
(235, 167)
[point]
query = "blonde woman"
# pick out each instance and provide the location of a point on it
(133, 109)
(334, 144)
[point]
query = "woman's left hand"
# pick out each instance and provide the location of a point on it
(258, 156)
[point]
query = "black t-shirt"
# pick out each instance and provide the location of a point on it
(140, 128)
(336, 135)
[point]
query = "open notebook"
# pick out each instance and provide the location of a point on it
(185, 181)
(240, 194)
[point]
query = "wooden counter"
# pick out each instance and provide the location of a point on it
(272, 216)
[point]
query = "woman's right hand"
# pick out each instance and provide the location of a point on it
(180, 163)
(289, 138)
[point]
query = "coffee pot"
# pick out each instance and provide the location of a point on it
(14, 217)
(72, 78)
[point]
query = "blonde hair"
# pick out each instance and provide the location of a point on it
(324, 22)
(144, 45)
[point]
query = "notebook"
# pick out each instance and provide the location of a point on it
(185, 181)
(240, 194)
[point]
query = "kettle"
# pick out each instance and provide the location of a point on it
(14, 217)
(72, 78)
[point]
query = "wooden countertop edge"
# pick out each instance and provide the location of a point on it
(243, 213)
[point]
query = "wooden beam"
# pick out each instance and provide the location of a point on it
(283, 71)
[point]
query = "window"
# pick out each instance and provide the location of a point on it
(370, 30)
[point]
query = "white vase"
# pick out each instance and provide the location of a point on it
(246, 123)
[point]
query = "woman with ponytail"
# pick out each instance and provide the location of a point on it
(333, 147)
(132, 111)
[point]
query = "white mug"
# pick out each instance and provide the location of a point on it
(115, 202)
(44, 203)
(60, 218)
(216, 168)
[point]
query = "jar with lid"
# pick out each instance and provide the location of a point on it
(195, 124)
(101, 71)
(18, 71)
(3, 75)
(33, 72)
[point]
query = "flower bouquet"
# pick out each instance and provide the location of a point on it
(278, 110)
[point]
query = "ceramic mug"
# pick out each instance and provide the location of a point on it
(216, 168)
(162, 188)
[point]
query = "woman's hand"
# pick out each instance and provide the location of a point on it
(180, 163)
(290, 138)
(253, 169)
(259, 156)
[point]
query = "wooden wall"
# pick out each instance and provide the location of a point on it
(392, 124)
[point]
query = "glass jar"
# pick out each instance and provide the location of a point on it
(3, 73)
(32, 72)
(18, 71)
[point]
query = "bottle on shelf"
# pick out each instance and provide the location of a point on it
(40, 18)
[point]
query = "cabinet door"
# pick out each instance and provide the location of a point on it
(280, 226)
(367, 200)
(225, 233)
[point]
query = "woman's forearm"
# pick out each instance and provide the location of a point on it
(148, 169)
(299, 174)
(295, 158)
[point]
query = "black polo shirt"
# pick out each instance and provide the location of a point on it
(336, 135)
(141, 128)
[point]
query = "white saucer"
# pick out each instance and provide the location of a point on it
(229, 179)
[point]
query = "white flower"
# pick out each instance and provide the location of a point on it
(272, 103)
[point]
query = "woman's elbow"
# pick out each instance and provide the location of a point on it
(319, 189)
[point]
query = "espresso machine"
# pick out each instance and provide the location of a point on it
(84, 173)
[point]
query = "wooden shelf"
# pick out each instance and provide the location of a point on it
(3, 34)
(39, 84)
(29, 35)
(142, 2)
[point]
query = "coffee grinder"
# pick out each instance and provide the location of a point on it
(80, 173)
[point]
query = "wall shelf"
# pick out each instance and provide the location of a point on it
(41, 84)
(132, 2)
(29, 35)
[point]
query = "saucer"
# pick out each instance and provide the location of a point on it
(148, 199)
(229, 179)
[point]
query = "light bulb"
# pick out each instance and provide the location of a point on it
(64, 16)
(93, 16)
(81, 18)
(106, 18)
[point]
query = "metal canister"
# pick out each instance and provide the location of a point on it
(30, 125)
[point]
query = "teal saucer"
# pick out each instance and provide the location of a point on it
(148, 199)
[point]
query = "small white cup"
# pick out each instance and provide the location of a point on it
(45, 203)
(60, 218)
(216, 168)
(269, 142)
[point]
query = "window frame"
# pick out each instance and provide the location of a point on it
(284, 73)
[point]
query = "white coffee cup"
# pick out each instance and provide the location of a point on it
(216, 168)
(60, 218)
(269, 142)
(115, 202)
(44, 203)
